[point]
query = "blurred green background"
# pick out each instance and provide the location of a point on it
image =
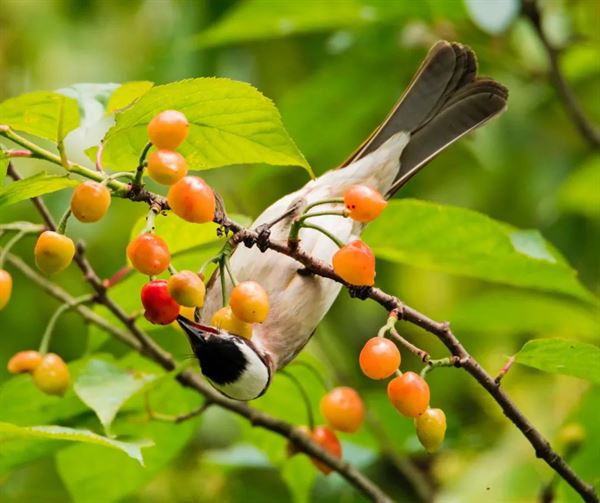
(334, 69)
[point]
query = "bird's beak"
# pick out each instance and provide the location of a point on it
(196, 332)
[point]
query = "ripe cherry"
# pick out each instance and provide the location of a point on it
(24, 361)
(187, 289)
(343, 409)
(192, 199)
(149, 254)
(364, 203)
(168, 129)
(160, 308)
(409, 393)
(431, 429)
(53, 252)
(225, 319)
(249, 302)
(328, 440)
(52, 375)
(291, 448)
(166, 166)
(355, 264)
(379, 358)
(6, 284)
(90, 201)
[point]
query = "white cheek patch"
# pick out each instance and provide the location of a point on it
(251, 383)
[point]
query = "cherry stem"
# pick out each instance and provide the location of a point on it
(61, 228)
(327, 385)
(323, 231)
(172, 269)
(337, 200)
(229, 271)
(119, 174)
(45, 342)
(18, 153)
(13, 241)
(389, 325)
(139, 172)
(99, 166)
(120, 275)
(421, 353)
(450, 361)
(342, 213)
(223, 285)
(305, 398)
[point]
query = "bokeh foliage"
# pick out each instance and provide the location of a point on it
(333, 68)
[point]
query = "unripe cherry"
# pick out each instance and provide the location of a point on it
(166, 166)
(52, 375)
(149, 254)
(90, 201)
(379, 358)
(53, 252)
(24, 361)
(431, 429)
(187, 289)
(192, 199)
(355, 264)
(343, 409)
(159, 306)
(409, 394)
(249, 302)
(6, 284)
(168, 129)
(225, 319)
(364, 203)
(328, 440)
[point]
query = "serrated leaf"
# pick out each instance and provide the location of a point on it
(34, 186)
(464, 242)
(579, 194)
(13, 433)
(561, 356)
(105, 387)
(127, 93)
(230, 123)
(38, 113)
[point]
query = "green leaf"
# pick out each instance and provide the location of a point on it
(561, 356)
(38, 113)
(127, 94)
(230, 123)
(104, 387)
(300, 475)
(4, 160)
(579, 194)
(34, 186)
(12, 433)
(525, 312)
(464, 242)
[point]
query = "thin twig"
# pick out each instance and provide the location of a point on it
(423, 355)
(502, 372)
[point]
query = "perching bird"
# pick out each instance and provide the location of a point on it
(444, 101)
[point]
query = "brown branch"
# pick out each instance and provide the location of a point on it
(587, 130)
(423, 355)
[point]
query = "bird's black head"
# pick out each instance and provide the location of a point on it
(231, 363)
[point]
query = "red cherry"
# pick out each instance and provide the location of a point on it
(355, 264)
(160, 308)
(409, 393)
(328, 440)
(379, 358)
(364, 203)
(343, 409)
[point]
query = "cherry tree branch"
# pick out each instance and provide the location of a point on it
(587, 130)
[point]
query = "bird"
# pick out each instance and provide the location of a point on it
(445, 100)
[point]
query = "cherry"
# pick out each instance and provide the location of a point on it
(168, 129)
(431, 429)
(160, 308)
(328, 440)
(6, 284)
(364, 203)
(192, 199)
(187, 289)
(379, 358)
(409, 393)
(149, 254)
(249, 302)
(53, 252)
(343, 409)
(225, 319)
(52, 375)
(355, 264)
(166, 166)
(291, 447)
(90, 201)
(24, 361)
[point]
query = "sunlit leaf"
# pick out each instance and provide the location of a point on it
(105, 387)
(128, 93)
(464, 242)
(561, 356)
(38, 113)
(34, 186)
(11, 433)
(230, 123)
(580, 192)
